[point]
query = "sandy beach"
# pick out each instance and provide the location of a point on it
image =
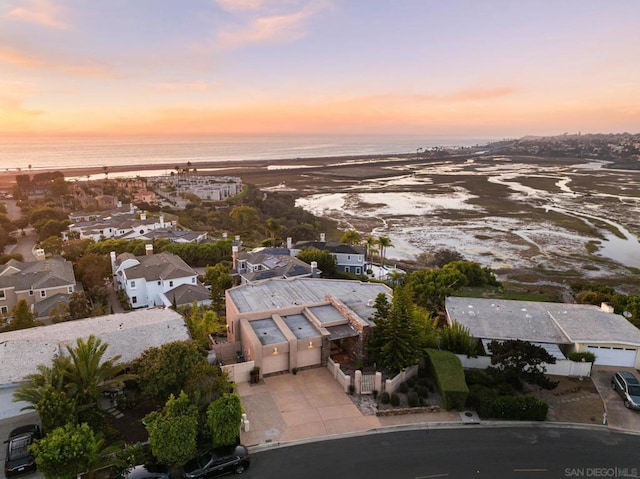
(259, 172)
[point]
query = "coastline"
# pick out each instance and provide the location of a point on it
(262, 171)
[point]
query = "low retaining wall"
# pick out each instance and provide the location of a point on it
(562, 367)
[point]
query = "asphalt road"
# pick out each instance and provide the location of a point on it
(467, 452)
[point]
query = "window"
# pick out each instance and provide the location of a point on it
(171, 284)
(132, 284)
(30, 292)
(159, 283)
(357, 270)
(134, 299)
(4, 309)
(2, 295)
(346, 269)
(193, 280)
(43, 293)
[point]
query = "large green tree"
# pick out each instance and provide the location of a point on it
(55, 409)
(396, 343)
(173, 431)
(163, 370)
(67, 451)
(224, 416)
(22, 317)
(521, 361)
(326, 262)
(219, 279)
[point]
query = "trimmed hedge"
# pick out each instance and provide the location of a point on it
(447, 371)
(488, 403)
(586, 356)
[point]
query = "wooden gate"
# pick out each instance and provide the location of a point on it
(368, 384)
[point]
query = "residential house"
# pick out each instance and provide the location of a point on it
(349, 258)
(118, 226)
(127, 335)
(47, 281)
(559, 327)
(300, 322)
(265, 263)
(156, 279)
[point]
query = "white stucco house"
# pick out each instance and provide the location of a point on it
(157, 279)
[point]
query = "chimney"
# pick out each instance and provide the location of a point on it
(161, 221)
(112, 255)
(39, 254)
(322, 237)
(606, 308)
(289, 243)
(234, 256)
(314, 269)
(143, 216)
(148, 249)
(224, 235)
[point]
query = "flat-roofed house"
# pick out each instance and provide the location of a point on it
(300, 322)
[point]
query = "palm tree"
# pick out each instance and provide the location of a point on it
(32, 391)
(350, 237)
(384, 242)
(273, 229)
(371, 247)
(88, 375)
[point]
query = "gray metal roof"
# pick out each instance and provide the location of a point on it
(542, 322)
(127, 334)
(326, 313)
(274, 294)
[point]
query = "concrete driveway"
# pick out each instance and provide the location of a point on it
(618, 416)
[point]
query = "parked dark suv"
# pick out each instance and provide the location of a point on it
(628, 387)
(217, 462)
(19, 459)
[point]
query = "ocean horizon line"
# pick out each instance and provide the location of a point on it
(48, 152)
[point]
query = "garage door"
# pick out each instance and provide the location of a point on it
(607, 356)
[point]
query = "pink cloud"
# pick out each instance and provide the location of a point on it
(40, 12)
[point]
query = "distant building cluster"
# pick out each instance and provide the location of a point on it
(177, 188)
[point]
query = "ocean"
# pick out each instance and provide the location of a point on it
(39, 153)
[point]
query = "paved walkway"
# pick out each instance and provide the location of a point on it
(312, 404)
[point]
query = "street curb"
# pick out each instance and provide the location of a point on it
(257, 448)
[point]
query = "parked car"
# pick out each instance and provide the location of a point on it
(19, 459)
(628, 387)
(146, 471)
(218, 462)
(149, 467)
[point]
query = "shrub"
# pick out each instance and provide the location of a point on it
(481, 399)
(385, 398)
(413, 399)
(449, 375)
(423, 391)
(404, 388)
(525, 408)
(586, 356)
(395, 400)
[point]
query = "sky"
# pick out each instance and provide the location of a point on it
(490, 68)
